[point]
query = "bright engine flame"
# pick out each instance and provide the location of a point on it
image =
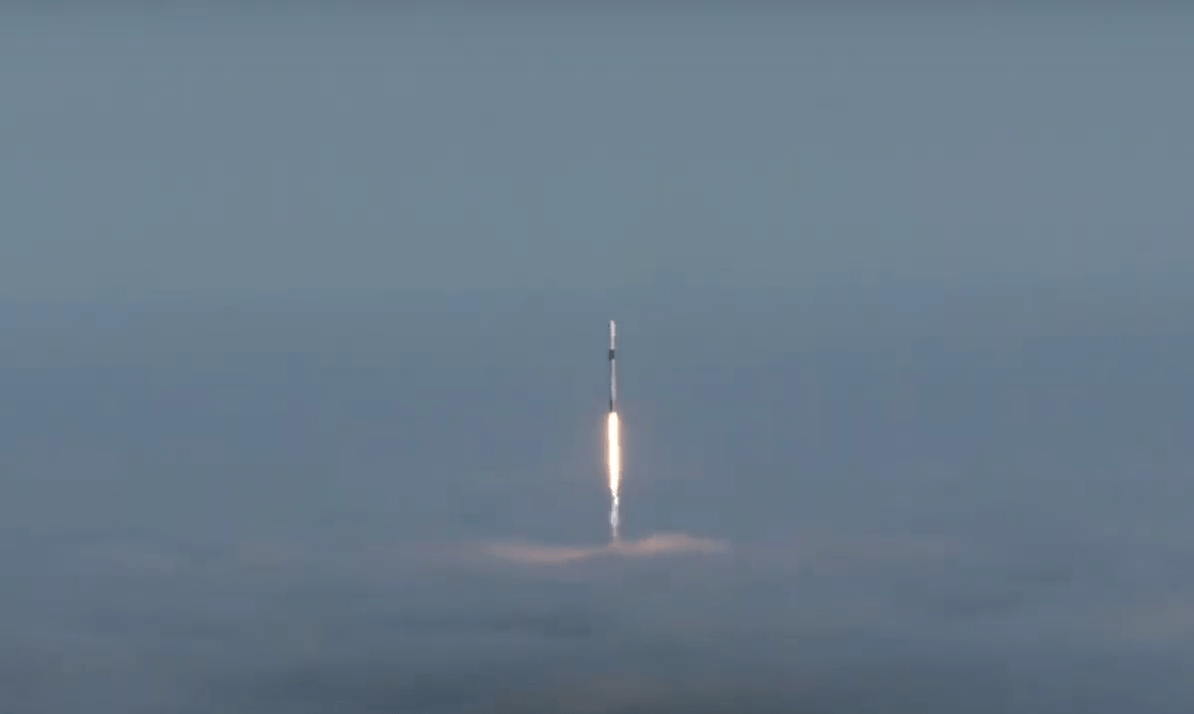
(615, 469)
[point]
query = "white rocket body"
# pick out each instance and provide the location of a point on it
(613, 372)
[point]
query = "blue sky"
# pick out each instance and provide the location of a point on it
(176, 152)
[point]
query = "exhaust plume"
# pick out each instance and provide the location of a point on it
(615, 470)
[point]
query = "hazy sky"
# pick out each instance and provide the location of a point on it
(941, 465)
(156, 151)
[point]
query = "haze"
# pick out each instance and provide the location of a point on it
(303, 368)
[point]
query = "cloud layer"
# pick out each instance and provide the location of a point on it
(829, 622)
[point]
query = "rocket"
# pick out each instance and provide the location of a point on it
(613, 373)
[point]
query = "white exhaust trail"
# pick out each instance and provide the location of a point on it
(615, 470)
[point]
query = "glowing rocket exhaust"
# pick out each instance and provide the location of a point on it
(613, 446)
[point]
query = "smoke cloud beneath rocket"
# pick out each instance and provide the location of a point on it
(654, 545)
